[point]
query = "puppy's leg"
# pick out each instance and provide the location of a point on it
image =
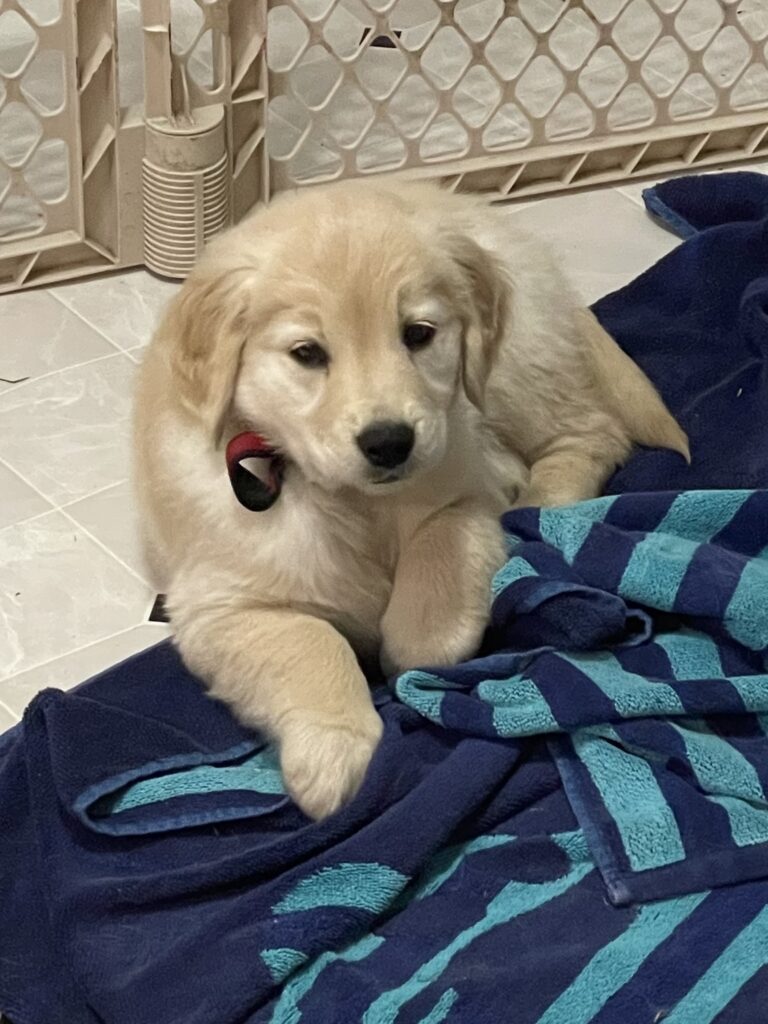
(441, 597)
(563, 479)
(576, 467)
(297, 679)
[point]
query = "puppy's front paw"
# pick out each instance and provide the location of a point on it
(323, 762)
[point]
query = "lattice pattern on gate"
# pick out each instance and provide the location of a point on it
(59, 139)
(244, 98)
(513, 97)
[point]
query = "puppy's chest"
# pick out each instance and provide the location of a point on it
(336, 561)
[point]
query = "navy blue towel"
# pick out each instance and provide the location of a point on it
(697, 323)
(570, 829)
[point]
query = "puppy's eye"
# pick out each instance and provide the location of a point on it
(419, 335)
(311, 355)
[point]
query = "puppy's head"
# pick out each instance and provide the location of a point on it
(341, 324)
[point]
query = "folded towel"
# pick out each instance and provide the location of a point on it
(649, 613)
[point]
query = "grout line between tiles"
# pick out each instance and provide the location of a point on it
(51, 507)
(636, 200)
(628, 198)
(64, 369)
(90, 494)
(84, 530)
(92, 326)
(69, 654)
(29, 519)
(103, 546)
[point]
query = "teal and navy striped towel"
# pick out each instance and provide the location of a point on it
(648, 616)
(547, 835)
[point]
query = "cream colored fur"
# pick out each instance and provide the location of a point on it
(521, 397)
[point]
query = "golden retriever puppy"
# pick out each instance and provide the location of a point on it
(420, 366)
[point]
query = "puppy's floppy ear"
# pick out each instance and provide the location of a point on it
(488, 295)
(204, 332)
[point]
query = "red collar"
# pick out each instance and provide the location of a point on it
(253, 492)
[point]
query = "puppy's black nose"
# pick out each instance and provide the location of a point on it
(386, 445)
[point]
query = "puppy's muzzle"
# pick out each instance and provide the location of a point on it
(386, 445)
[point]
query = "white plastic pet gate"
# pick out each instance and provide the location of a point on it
(133, 130)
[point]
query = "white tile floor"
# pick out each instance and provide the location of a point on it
(73, 595)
